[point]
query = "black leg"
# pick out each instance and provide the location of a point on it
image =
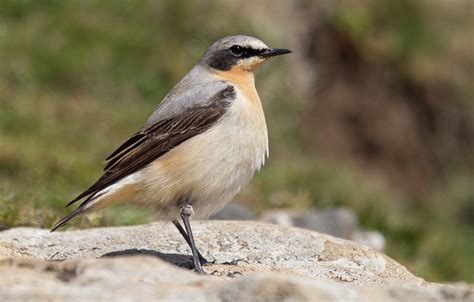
(203, 260)
(186, 212)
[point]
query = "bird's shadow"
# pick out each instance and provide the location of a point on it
(179, 260)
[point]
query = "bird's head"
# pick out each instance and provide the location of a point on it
(239, 53)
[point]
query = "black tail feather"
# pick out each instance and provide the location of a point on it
(82, 195)
(80, 210)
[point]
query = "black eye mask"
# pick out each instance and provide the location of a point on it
(225, 59)
(245, 52)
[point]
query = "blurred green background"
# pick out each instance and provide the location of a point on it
(374, 109)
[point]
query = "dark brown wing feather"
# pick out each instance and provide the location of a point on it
(150, 143)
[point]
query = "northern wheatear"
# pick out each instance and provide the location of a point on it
(198, 149)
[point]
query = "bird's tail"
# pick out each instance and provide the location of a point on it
(99, 201)
(74, 214)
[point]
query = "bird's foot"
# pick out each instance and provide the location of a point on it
(205, 262)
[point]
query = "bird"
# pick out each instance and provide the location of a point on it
(198, 149)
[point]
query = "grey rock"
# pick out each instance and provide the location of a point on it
(253, 261)
(371, 238)
(268, 287)
(280, 217)
(234, 211)
(257, 244)
(339, 222)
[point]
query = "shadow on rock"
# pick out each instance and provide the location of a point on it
(184, 261)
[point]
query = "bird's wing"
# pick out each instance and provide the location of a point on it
(155, 139)
(197, 88)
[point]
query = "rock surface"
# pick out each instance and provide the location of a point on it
(253, 261)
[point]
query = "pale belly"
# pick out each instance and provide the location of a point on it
(210, 168)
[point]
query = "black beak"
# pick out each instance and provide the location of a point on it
(272, 52)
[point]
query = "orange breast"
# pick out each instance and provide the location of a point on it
(244, 80)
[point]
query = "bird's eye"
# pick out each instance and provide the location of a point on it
(237, 50)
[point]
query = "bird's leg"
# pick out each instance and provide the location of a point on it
(203, 260)
(186, 212)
